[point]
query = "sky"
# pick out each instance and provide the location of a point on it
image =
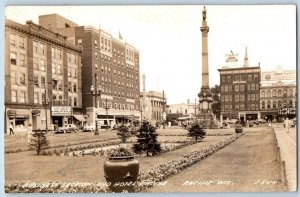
(168, 38)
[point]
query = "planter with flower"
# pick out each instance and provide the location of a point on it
(121, 169)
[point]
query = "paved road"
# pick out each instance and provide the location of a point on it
(247, 165)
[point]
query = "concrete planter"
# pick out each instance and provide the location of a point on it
(121, 173)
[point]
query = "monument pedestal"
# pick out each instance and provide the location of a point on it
(206, 120)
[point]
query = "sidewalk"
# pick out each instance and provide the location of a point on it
(287, 143)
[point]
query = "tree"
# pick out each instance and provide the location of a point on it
(38, 141)
(216, 105)
(147, 140)
(123, 133)
(196, 132)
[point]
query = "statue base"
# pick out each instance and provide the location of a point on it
(206, 120)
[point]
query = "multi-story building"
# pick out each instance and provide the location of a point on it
(278, 95)
(42, 77)
(240, 89)
(108, 64)
(153, 106)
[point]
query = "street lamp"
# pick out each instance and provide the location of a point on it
(164, 110)
(46, 103)
(195, 108)
(106, 108)
(96, 91)
(141, 110)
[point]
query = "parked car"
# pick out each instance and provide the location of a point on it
(89, 128)
(251, 124)
(238, 127)
(67, 128)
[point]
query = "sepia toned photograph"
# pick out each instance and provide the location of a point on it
(150, 98)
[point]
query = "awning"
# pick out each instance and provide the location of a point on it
(79, 117)
(183, 118)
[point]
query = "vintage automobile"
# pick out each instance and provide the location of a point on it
(67, 128)
(238, 127)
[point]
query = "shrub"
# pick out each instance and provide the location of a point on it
(196, 132)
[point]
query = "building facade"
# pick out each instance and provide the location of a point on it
(278, 95)
(152, 106)
(240, 90)
(42, 77)
(110, 65)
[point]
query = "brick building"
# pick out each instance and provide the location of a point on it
(278, 95)
(42, 74)
(108, 64)
(240, 89)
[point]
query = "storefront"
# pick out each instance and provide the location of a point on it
(19, 118)
(61, 115)
(284, 113)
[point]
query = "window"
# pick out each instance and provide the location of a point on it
(242, 97)
(53, 65)
(96, 44)
(53, 52)
(250, 77)
(74, 88)
(236, 97)
(36, 80)
(75, 101)
(274, 105)
(290, 92)
(252, 106)
(59, 85)
(268, 93)
(242, 77)
(274, 93)
(262, 94)
(279, 93)
(290, 103)
(43, 81)
(22, 97)
(256, 77)
(252, 86)
(13, 58)
(226, 97)
(23, 79)
(42, 65)
(69, 71)
(12, 38)
(58, 71)
(22, 59)
(22, 42)
(58, 54)
(237, 107)
(263, 104)
(269, 105)
(236, 77)
(279, 104)
(256, 86)
(14, 96)
(36, 98)
(96, 67)
(242, 106)
(242, 87)
(79, 41)
(252, 97)
(35, 63)
(228, 78)
(70, 86)
(257, 97)
(236, 88)
(35, 47)
(74, 73)
(42, 48)
(96, 55)
(226, 88)
(55, 84)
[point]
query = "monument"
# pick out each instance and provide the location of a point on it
(205, 116)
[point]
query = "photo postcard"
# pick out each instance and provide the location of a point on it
(150, 98)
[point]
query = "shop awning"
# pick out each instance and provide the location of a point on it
(79, 117)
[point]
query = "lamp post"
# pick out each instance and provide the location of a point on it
(96, 91)
(195, 108)
(141, 110)
(164, 110)
(106, 108)
(46, 103)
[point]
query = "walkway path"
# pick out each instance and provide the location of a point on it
(287, 143)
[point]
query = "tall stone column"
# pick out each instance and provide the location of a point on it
(205, 116)
(205, 97)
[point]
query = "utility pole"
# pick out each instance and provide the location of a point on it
(164, 111)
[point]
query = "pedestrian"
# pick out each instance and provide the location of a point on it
(269, 124)
(11, 129)
(287, 125)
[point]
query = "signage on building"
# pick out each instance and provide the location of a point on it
(284, 111)
(279, 75)
(62, 111)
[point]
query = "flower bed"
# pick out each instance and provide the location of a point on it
(153, 176)
(59, 145)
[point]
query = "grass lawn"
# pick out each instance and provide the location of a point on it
(27, 166)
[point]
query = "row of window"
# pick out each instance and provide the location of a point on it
(278, 93)
(18, 78)
(241, 77)
(239, 87)
(17, 40)
(240, 107)
(17, 59)
(240, 97)
(275, 104)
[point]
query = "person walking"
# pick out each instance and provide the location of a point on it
(11, 129)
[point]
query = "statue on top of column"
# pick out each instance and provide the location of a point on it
(204, 14)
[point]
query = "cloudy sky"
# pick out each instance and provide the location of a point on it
(169, 38)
